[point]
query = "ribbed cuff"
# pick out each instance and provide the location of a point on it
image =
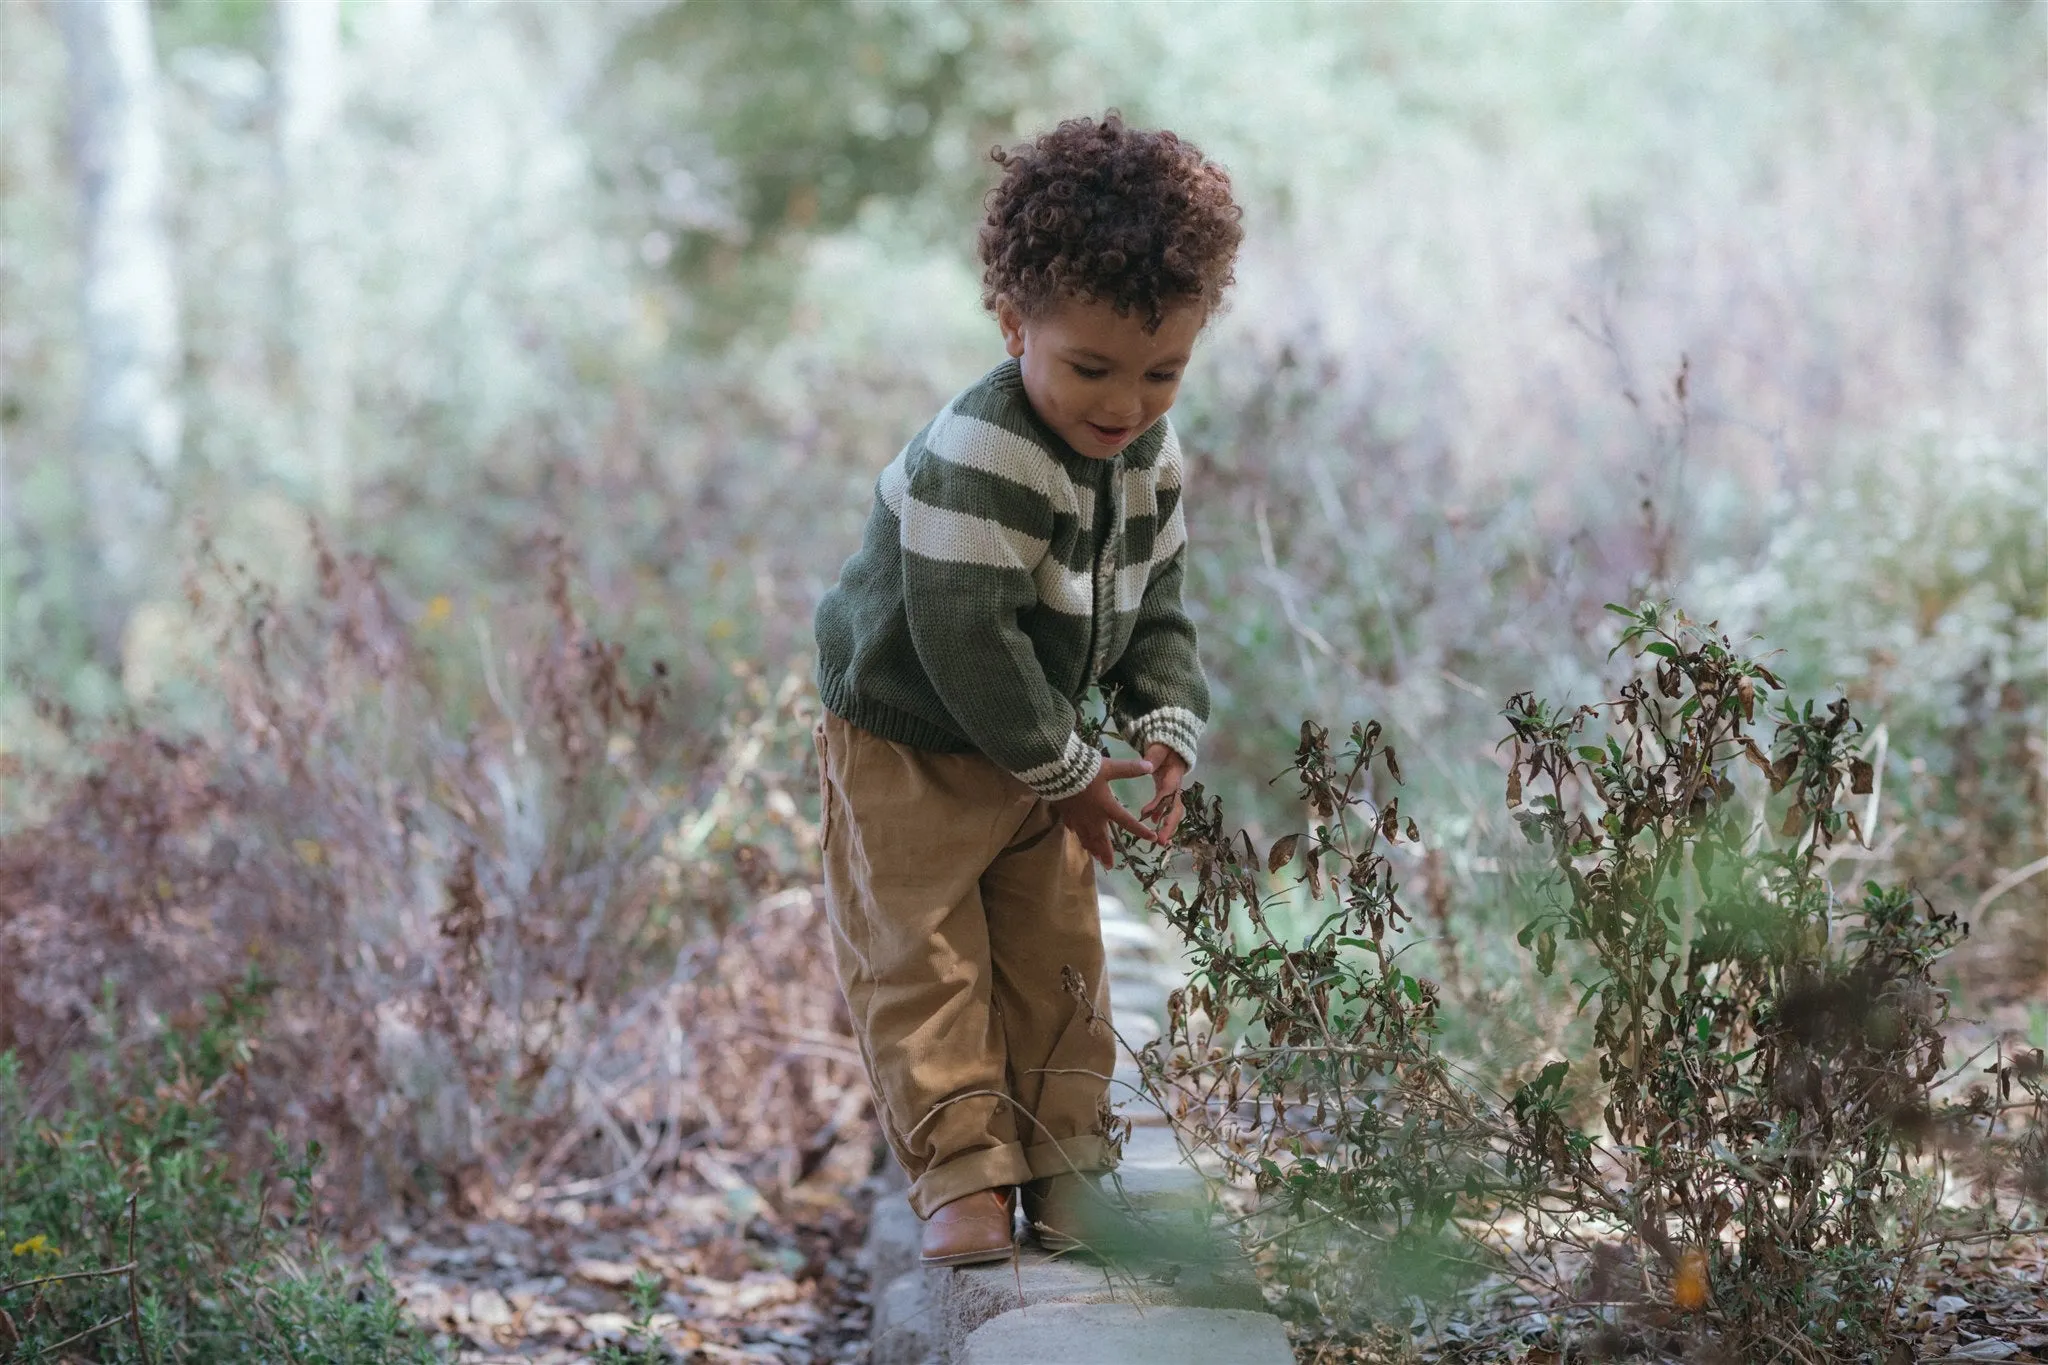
(1178, 728)
(1066, 775)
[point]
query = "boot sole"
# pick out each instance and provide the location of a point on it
(981, 1257)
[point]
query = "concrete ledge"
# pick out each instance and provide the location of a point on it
(893, 1235)
(964, 1298)
(1125, 1334)
(1154, 1178)
(903, 1328)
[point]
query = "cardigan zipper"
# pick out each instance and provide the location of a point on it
(1103, 575)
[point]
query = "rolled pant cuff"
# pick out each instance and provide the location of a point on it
(987, 1169)
(1066, 1156)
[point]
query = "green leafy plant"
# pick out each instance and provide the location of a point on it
(126, 1235)
(643, 1345)
(1308, 1066)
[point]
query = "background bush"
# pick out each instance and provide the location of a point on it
(130, 1236)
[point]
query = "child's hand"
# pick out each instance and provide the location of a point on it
(1092, 810)
(1163, 810)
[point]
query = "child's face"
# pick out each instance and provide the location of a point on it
(1095, 376)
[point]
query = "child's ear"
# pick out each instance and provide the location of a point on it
(1011, 320)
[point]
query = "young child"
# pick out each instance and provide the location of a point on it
(1026, 546)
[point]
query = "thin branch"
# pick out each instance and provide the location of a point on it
(134, 1301)
(2005, 884)
(108, 1273)
(93, 1330)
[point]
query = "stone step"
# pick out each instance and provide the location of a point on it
(960, 1299)
(893, 1235)
(1155, 1177)
(1125, 1334)
(903, 1332)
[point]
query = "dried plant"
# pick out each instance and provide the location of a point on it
(494, 886)
(1764, 1058)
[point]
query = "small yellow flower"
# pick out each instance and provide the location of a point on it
(439, 609)
(37, 1245)
(310, 852)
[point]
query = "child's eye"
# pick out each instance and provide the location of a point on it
(1088, 373)
(1163, 378)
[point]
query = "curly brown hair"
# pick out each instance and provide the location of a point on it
(1106, 212)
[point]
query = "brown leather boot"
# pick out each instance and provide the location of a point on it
(969, 1230)
(1069, 1211)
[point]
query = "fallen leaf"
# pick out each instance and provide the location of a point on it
(1689, 1284)
(607, 1326)
(610, 1274)
(487, 1308)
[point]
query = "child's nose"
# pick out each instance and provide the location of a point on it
(1125, 410)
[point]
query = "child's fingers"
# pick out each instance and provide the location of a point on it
(1133, 824)
(1094, 837)
(1099, 848)
(1117, 769)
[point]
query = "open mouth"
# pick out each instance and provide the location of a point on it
(1109, 433)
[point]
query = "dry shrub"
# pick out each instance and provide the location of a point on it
(1758, 1122)
(491, 882)
(739, 1066)
(131, 886)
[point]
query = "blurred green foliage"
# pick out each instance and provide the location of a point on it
(134, 1172)
(243, 24)
(673, 281)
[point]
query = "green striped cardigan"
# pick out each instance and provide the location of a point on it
(1003, 575)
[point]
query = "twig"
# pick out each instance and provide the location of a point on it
(1960, 1067)
(1283, 588)
(2006, 1234)
(134, 1303)
(108, 1273)
(2007, 883)
(81, 1336)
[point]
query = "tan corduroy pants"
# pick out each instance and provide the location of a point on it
(962, 914)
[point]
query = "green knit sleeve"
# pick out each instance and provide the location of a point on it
(976, 511)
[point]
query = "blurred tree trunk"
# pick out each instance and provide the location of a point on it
(312, 302)
(400, 25)
(132, 424)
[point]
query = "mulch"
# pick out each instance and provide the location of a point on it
(739, 1281)
(1975, 1301)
